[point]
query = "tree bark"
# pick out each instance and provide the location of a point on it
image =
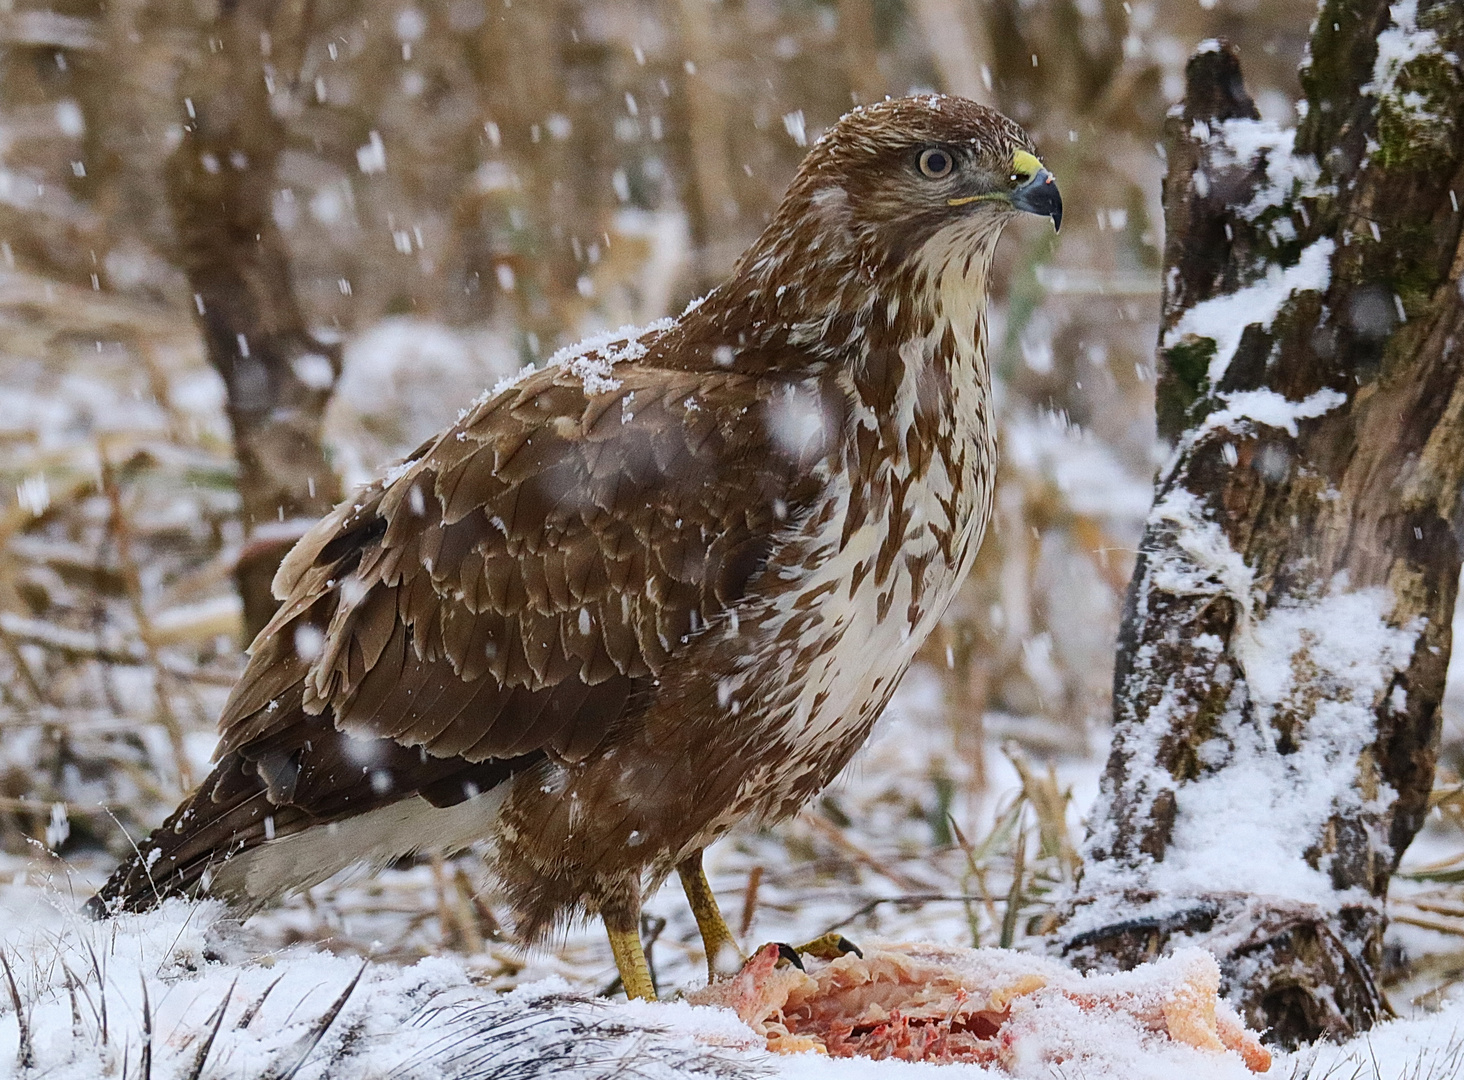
(278, 376)
(1286, 633)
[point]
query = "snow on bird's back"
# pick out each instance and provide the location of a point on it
(594, 358)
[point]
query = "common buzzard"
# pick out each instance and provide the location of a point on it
(661, 585)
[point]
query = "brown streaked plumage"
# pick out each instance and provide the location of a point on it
(662, 584)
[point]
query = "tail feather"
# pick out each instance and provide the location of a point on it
(389, 809)
(182, 856)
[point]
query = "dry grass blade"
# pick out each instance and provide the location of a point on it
(25, 1057)
(27, 806)
(439, 892)
(1445, 794)
(459, 918)
(912, 900)
(1448, 871)
(840, 840)
(1049, 802)
(311, 1039)
(1438, 923)
(1014, 897)
(488, 926)
(999, 838)
(75, 1004)
(145, 1066)
(216, 1021)
(559, 1037)
(1447, 905)
(749, 900)
(100, 972)
(132, 577)
(247, 1016)
(1328, 1063)
(79, 645)
(22, 667)
(979, 855)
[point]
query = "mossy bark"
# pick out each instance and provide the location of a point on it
(278, 376)
(1357, 495)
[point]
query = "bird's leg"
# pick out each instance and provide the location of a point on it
(716, 935)
(622, 924)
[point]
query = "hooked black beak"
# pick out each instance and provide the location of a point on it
(1039, 195)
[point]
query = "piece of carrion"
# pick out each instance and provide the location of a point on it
(988, 1006)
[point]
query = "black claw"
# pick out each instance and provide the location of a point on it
(847, 946)
(790, 954)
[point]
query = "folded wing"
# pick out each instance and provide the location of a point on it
(508, 594)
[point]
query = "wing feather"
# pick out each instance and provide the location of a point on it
(515, 586)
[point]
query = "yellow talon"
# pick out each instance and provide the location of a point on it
(830, 946)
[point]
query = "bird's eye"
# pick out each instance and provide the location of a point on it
(936, 163)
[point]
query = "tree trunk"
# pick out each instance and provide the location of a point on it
(1287, 629)
(278, 376)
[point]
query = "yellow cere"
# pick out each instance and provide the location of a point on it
(1025, 166)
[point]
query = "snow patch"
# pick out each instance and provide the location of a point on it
(1287, 175)
(1223, 319)
(1212, 566)
(1319, 666)
(204, 993)
(430, 1020)
(1313, 672)
(1271, 409)
(1398, 46)
(592, 359)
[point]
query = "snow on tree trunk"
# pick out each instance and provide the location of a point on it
(1286, 634)
(277, 375)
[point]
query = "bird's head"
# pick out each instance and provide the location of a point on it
(891, 200)
(920, 162)
(889, 177)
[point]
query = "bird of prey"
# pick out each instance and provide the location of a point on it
(661, 585)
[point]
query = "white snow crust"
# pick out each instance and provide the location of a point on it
(1271, 409)
(594, 358)
(168, 978)
(1287, 175)
(1223, 319)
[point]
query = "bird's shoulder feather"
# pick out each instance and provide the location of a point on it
(520, 579)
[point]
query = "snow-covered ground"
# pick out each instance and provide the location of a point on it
(183, 993)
